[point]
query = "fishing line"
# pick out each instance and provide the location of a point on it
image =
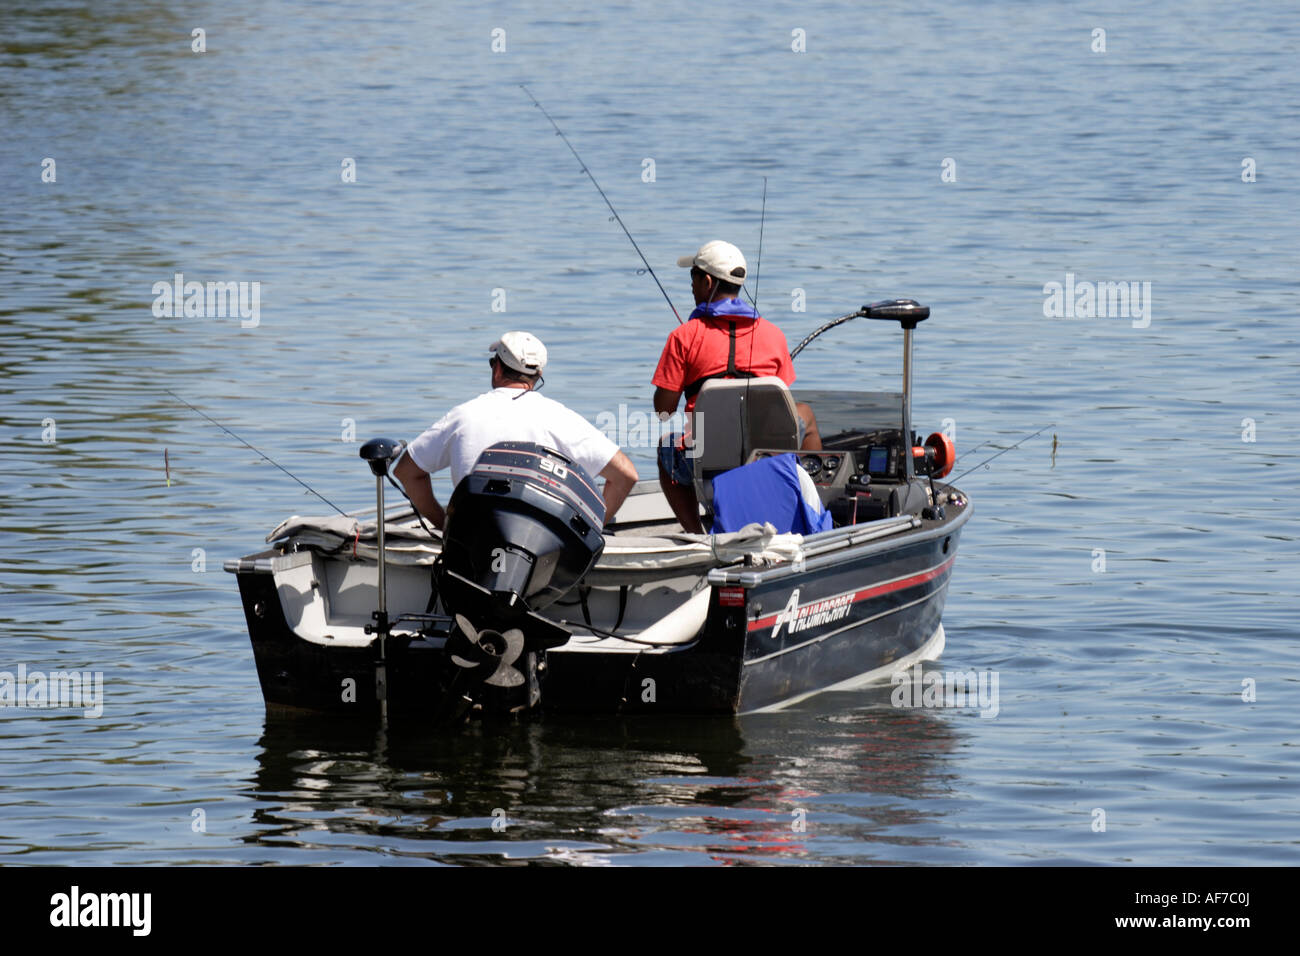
(260, 452)
(617, 217)
(758, 266)
(1002, 452)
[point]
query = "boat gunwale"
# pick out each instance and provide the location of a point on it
(754, 577)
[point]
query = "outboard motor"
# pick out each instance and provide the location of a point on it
(522, 529)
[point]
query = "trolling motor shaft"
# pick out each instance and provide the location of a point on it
(378, 452)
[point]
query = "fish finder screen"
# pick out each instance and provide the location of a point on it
(878, 460)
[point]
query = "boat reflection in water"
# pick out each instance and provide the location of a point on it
(854, 785)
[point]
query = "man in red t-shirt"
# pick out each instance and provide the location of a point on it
(724, 338)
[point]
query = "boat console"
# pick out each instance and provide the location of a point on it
(865, 469)
(858, 486)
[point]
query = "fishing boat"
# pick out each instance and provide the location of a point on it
(527, 601)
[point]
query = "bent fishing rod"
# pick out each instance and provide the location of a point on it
(617, 217)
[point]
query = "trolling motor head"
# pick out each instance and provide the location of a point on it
(378, 452)
(906, 312)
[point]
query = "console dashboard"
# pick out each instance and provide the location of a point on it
(830, 469)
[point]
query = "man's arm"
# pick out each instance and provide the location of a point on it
(666, 401)
(620, 475)
(416, 482)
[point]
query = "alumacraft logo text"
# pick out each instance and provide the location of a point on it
(37, 689)
(102, 909)
(918, 687)
(797, 617)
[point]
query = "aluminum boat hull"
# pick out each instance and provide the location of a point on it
(772, 636)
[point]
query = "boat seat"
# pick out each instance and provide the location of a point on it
(733, 416)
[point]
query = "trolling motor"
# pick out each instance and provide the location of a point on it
(932, 459)
(908, 313)
(378, 452)
(523, 528)
(936, 457)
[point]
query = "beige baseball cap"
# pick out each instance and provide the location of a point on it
(521, 351)
(719, 259)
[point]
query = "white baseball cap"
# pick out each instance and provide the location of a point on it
(521, 351)
(719, 259)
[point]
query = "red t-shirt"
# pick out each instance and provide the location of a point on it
(700, 348)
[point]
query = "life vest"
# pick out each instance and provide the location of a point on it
(694, 387)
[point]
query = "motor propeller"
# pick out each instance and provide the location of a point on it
(474, 649)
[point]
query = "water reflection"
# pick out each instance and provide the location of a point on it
(798, 786)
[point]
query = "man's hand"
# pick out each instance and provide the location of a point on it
(620, 475)
(416, 482)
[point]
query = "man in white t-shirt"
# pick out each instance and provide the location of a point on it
(512, 411)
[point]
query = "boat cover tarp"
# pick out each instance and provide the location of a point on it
(407, 543)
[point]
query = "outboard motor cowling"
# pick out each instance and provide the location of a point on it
(522, 529)
(526, 521)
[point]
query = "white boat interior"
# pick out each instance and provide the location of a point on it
(647, 593)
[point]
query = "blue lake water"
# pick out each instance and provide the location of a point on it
(1129, 589)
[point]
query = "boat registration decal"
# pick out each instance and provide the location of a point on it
(731, 597)
(797, 617)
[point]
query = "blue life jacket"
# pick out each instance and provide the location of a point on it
(733, 306)
(766, 490)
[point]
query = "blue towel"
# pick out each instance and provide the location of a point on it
(766, 490)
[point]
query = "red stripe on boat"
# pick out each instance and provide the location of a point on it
(888, 588)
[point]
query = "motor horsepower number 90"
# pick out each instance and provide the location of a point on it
(554, 467)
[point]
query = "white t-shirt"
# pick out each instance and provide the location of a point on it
(509, 414)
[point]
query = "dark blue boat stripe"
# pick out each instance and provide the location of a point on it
(859, 594)
(839, 630)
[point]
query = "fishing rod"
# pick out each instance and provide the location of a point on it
(1002, 452)
(971, 451)
(758, 266)
(263, 454)
(617, 217)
